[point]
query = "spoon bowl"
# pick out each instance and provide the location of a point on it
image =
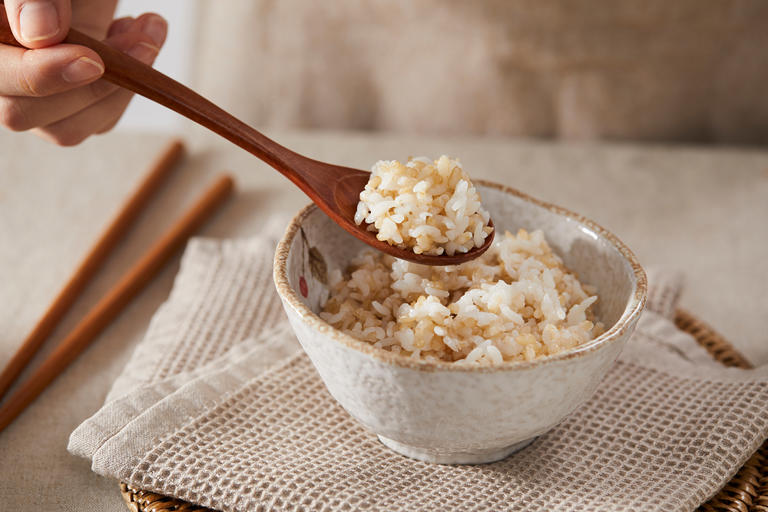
(335, 189)
(346, 196)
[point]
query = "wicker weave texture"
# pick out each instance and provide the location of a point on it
(746, 492)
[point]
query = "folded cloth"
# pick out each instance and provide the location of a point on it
(219, 407)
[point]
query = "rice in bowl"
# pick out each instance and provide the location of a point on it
(515, 302)
(424, 206)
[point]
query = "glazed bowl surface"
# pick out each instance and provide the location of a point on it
(460, 413)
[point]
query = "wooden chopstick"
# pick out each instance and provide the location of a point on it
(114, 232)
(115, 300)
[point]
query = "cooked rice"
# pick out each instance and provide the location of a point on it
(428, 207)
(515, 302)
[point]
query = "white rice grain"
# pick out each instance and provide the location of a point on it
(428, 207)
(515, 302)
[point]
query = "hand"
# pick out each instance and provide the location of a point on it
(55, 89)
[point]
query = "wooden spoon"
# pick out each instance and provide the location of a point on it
(333, 188)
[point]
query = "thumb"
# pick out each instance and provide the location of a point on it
(39, 23)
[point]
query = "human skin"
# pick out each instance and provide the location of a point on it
(55, 90)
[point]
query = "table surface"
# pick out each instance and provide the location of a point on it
(700, 210)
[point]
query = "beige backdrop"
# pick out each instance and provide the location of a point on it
(684, 70)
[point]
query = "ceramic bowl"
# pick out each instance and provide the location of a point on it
(443, 412)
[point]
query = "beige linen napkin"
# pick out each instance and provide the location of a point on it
(219, 407)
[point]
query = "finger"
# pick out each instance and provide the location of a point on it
(153, 25)
(39, 23)
(28, 113)
(100, 116)
(93, 17)
(47, 71)
(120, 26)
(111, 118)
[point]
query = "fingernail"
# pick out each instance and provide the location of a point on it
(38, 21)
(156, 28)
(144, 52)
(81, 70)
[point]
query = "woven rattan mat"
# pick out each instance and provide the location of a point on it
(746, 492)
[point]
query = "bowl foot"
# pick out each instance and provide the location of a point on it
(447, 457)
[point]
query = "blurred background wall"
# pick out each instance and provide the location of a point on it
(652, 70)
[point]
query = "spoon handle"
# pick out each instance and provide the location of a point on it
(131, 74)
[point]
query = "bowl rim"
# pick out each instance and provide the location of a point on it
(627, 319)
